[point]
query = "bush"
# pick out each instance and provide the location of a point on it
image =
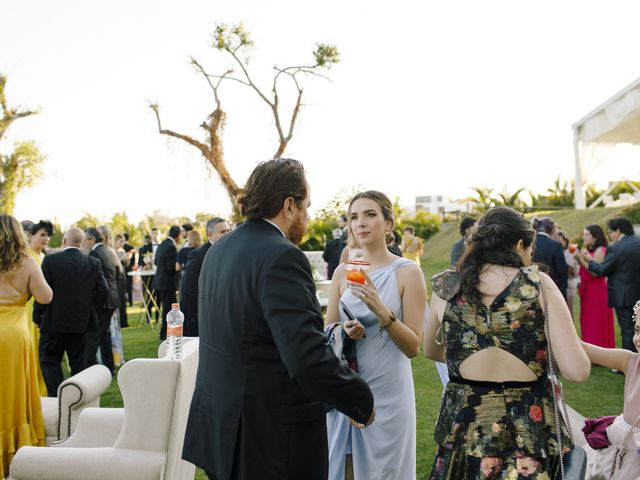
(425, 224)
(632, 213)
(318, 234)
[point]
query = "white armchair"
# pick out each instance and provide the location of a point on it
(74, 395)
(142, 441)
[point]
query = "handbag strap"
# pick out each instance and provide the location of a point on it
(557, 392)
(630, 432)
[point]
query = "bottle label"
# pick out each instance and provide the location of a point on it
(174, 330)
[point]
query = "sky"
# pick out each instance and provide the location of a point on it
(429, 97)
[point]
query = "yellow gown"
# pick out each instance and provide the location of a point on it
(35, 331)
(21, 421)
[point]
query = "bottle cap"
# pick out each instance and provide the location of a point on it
(175, 306)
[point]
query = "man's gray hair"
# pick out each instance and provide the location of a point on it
(211, 224)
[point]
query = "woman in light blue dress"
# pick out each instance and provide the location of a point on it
(389, 310)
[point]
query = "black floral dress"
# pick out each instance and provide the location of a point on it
(487, 429)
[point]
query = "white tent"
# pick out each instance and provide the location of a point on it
(615, 121)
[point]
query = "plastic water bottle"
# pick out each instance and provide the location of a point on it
(175, 320)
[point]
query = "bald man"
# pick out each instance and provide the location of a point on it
(78, 288)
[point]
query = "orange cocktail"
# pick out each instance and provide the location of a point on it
(572, 248)
(355, 270)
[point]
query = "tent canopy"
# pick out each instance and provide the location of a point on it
(615, 121)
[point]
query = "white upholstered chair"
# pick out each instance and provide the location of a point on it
(76, 393)
(139, 442)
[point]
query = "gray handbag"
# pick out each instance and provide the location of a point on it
(609, 460)
(573, 465)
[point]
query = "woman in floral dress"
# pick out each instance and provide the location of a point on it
(497, 415)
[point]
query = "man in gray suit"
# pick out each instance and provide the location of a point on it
(621, 266)
(101, 338)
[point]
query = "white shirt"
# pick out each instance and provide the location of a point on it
(72, 246)
(279, 229)
(96, 245)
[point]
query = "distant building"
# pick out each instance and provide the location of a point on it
(441, 205)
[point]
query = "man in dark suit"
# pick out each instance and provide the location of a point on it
(621, 266)
(215, 228)
(332, 251)
(457, 249)
(101, 337)
(165, 281)
(145, 261)
(549, 253)
(79, 287)
(131, 254)
(265, 368)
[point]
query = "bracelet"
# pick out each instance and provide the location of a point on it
(392, 318)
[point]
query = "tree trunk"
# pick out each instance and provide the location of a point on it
(216, 159)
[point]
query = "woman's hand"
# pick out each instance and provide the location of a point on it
(368, 293)
(354, 329)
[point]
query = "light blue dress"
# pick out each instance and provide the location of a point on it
(387, 448)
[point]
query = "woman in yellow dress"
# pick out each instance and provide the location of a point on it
(21, 421)
(411, 246)
(39, 234)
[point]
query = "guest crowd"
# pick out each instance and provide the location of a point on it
(285, 390)
(73, 301)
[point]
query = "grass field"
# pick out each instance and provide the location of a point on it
(602, 394)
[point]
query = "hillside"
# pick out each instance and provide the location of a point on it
(437, 248)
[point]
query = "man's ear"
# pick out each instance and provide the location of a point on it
(288, 205)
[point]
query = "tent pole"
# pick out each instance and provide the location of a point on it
(579, 193)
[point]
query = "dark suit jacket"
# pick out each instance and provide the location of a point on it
(146, 248)
(189, 289)
(166, 277)
(457, 249)
(265, 367)
(331, 254)
(621, 266)
(79, 287)
(549, 252)
(109, 268)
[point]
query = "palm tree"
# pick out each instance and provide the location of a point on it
(483, 199)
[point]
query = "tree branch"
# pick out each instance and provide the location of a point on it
(248, 77)
(191, 141)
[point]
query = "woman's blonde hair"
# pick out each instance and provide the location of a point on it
(194, 238)
(107, 238)
(13, 247)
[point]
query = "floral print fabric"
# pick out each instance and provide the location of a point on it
(488, 430)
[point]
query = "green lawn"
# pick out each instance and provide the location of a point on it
(602, 394)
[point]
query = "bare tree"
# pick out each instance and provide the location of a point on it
(235, 42)
(22, 167)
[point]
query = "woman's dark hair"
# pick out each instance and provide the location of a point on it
(269, 185)
(409, 229)
(42, 225)
(597, 233)
(94, 233)
(492, 241)
(465, 224)
(566, 241)
(621, 223)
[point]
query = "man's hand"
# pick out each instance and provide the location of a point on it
(362, 425)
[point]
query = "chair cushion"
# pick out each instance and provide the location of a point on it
(50, 413)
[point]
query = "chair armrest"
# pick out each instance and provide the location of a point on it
(31, 463)
(78, 392)
(97, 427)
